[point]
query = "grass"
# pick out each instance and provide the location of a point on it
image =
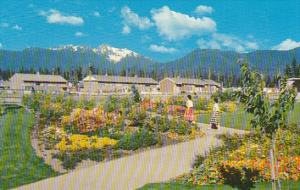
(240, 119)
(18, 162)
(178, 186)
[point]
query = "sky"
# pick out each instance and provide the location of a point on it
(162, 30)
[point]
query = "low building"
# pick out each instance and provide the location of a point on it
(185, 85)
(117, 84)
(295, 82)
(37, 82)
(4, 84)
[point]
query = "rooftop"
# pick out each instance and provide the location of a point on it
(40, 77)
(120, 79)
(189, 81)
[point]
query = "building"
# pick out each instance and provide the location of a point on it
(117, 84)
(295, 82)
(190, 86)
(4, 84)
(38, 82)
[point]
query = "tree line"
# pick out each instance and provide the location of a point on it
(228, 79)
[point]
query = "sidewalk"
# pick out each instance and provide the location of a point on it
(131, 172)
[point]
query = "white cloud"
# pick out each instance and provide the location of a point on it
(131, 19)
(203, 9)
(17, 27)
(227, 42)
(126, 29)
(55, 17)
(96, 13)
(4, 25)
(176, 26)
(79, 34)
(1, 46)
(287, 45)
(161, 49)
(211, 44)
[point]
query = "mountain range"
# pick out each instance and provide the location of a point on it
(115, 60)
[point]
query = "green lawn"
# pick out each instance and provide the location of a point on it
(177, 186)
(240, 119)
(18, 163)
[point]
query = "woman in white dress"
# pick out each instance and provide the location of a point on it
(214, 121)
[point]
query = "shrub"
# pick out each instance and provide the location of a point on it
(142, 138)
(137, 116)
(71, 159)
(227, 95)
(182, 128)
(111, 104)
(86, 104)
(241, 178)
(136, 94)
(201, 104)
(159, 124)
(33, 101)
(178, 101)
(198, 161)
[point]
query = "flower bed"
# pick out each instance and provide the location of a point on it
(81, 130)
(249, 152)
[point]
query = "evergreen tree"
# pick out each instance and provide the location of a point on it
(294, 67)
(136, 94)
(288, 71)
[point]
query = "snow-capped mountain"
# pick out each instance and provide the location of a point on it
(114, 54)
(70, 46)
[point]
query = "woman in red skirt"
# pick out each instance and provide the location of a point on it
(189, 113)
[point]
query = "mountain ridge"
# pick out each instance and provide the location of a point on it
(107, 59)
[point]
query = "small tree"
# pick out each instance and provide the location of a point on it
(268, 115)
(136, 94)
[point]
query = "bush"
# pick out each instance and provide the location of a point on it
(33, 101)
(142, 138)
(159, 124)
(182, 128)
(201, 104)
(136, 94)
(241, 178)
(137, 116)
(86, 104)
(111, 104)
(227, 95)
(179, 101)
(198, 161)
(71, 159)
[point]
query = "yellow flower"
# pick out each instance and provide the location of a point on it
(83, 142)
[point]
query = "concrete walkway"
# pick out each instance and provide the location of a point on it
(131, 172)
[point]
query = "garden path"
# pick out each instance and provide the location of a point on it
(131, 172)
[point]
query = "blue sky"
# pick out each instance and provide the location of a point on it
(162, 30)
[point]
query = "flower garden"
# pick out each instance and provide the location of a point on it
(85, 129)
(249, 151)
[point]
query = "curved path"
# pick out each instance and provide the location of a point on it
(131, 172)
